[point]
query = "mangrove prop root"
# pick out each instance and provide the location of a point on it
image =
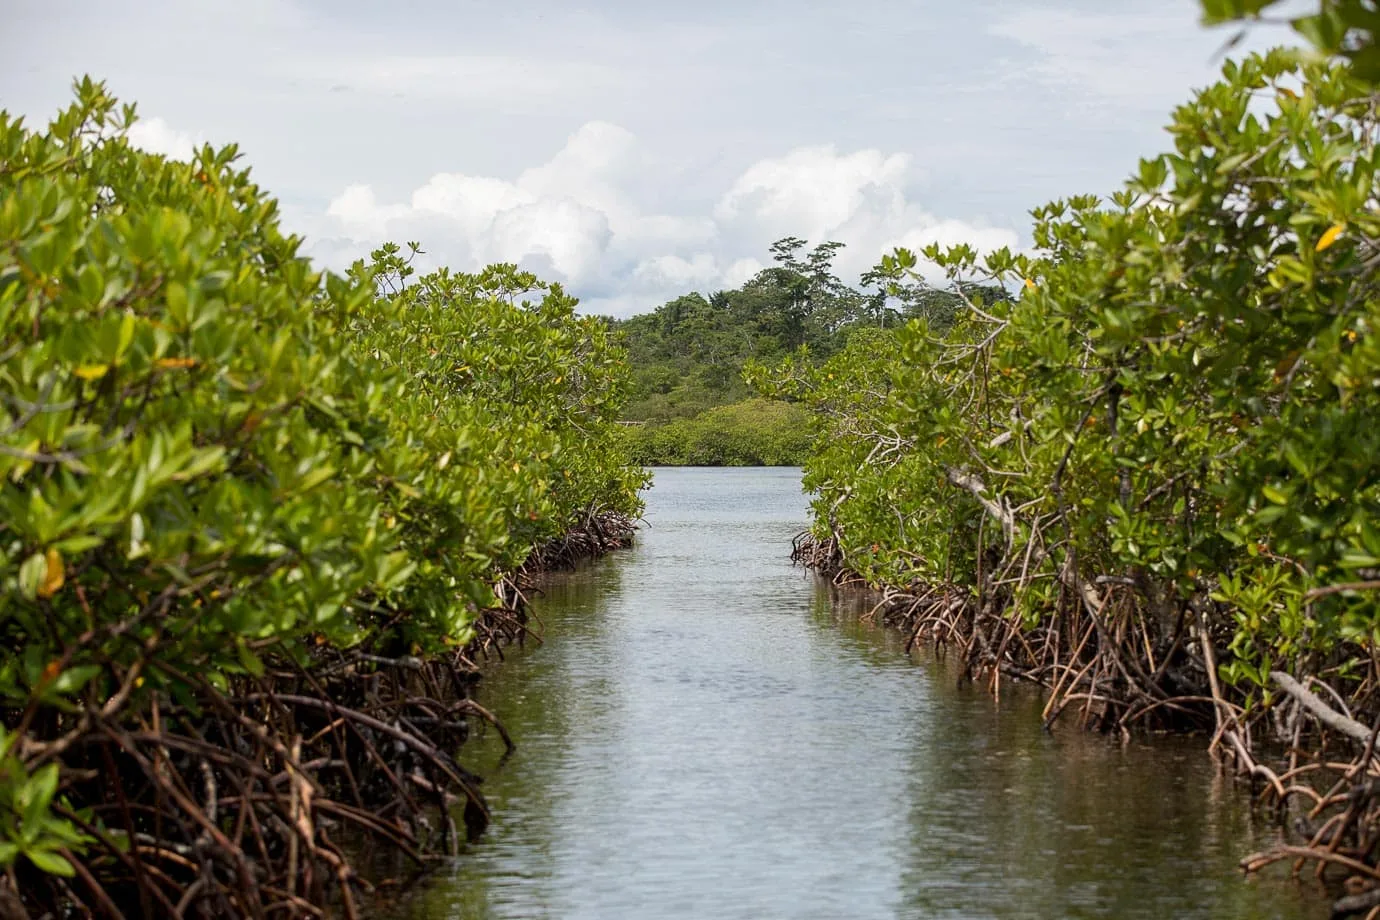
(1101, 655)
(1091, 651)
(235, 801)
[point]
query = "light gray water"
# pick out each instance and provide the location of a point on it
(706, 734)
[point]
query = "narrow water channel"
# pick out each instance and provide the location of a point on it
(705, 734)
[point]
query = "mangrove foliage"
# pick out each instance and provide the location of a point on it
(255, 522)
(1150, 477)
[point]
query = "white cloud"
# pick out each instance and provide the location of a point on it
(863, 199)
(741, 271)
(1004, 104)
(814, 192)
(701, 270)
(157, 136)
(572, 235)
(574, 219)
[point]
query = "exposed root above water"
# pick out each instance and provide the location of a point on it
(1093, 652)
(251, 799)
(1104, 660)
(599, 533)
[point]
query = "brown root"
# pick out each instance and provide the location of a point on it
(1097, 656)
(1092, 650)
(265, 797)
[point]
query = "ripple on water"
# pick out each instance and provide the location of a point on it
(703, 734)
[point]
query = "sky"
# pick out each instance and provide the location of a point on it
(635, 150)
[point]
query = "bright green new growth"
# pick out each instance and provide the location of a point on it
(213, 456)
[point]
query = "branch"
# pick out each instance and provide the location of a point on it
(1320, 710)
(1341, 588)
(979, 491)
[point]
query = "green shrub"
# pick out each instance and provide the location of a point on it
(217, 462)
(1178, 417)
(755, 432)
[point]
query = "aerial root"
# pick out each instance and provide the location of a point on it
(1099, 656)
(1094, 654)
(277, 794)
(238, 801)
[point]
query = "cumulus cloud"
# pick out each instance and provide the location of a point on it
(577, 219)
(864, 199)
(157, 136)
(817, 191)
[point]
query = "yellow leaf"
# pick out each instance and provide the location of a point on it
(54, 576)
(24, 465)
(175, 363)
(91, 371)
(1330, 237)
(1030, 284)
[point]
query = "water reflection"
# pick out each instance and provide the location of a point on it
(707, 734)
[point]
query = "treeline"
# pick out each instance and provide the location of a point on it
(754, 432)
(1151, 481)
(255, 522)
(688, 393)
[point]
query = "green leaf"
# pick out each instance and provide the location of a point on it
(31, 575)
(250, 661)
(50, 862)
(73, 679)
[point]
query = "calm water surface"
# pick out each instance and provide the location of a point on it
(705, 734)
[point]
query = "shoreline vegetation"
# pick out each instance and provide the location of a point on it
(689, 404)
(258, 523)
(257, 526)
(754, 432)
(1147, 479)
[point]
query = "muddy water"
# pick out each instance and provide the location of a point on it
(706, 734)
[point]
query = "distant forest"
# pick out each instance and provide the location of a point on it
(689, 404)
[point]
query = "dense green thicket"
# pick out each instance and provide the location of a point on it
(755, 432)
(239, 499)
(688, 355)
(1164, 453)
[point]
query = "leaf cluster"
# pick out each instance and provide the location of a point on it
(214, 457)
(1181, 404)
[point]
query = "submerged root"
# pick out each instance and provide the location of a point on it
(1334, 803)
